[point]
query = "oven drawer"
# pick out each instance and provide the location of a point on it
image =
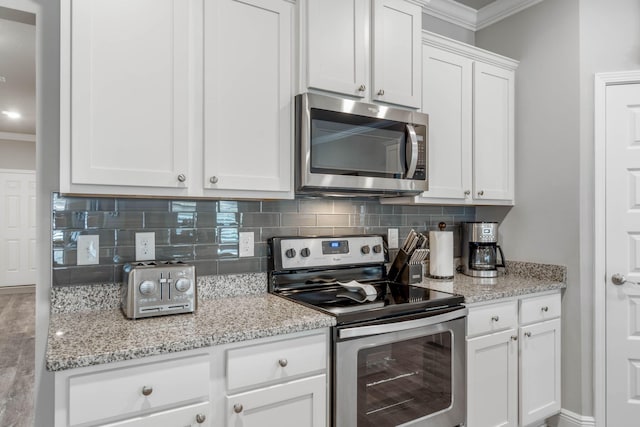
(538, 309)
(492, 318)
(127, 391)
(257, 364)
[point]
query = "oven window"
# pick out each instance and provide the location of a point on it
(347, 144)
(404, 380)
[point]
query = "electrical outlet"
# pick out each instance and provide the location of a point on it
(88, 250)
(392, 238)
(246, 243)
(145, 246)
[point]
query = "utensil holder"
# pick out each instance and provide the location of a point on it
(412, 273)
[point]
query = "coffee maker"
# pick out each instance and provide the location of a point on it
(480, 249)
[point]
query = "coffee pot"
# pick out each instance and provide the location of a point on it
(480, 249)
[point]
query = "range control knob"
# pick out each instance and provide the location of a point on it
(183, 284)
(148, 287)
(305, 252)
(377, 249)
(365, 250)
(290, 253)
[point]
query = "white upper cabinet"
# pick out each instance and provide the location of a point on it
(367, 49)
(129, 96)
(469, 96)
(177, 98)
(248, 95)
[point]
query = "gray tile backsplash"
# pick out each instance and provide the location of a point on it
(205, 232)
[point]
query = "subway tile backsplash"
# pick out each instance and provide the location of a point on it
(205, 232)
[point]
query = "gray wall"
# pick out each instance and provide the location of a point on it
(544, 226)
(447, 29)
(17, 155)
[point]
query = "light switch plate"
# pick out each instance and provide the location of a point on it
(88, 250)
(246, 243)
(145, 246)
(392, 238)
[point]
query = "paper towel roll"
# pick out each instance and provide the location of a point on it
(441, 254)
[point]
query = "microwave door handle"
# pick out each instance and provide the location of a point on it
(411, 153)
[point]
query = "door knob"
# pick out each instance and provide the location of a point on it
(362, 88)
(182, 177)
(381, 92)
(619, 279)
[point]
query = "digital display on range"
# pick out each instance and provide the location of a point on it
(330, 247)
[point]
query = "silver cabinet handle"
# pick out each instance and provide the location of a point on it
(237, 408)
(381, 92)
(283, 362)
(200, 418)
(545, 309)
(182, 177)
(481, 193)
(495, 318)
(467, 192)
(146, 391)
(618, 279)
(213, 180)
(362, 88)
(514, 338)
(527, 334)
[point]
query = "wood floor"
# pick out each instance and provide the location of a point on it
(17, 359)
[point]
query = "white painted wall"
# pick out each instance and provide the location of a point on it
(447, 29)
(544, 226)
(17, 155)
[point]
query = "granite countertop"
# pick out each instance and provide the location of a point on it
(519, 279)
(92, 337)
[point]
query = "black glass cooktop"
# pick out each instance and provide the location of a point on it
(392, 299)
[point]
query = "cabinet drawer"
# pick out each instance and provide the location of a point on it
(119, 392)
(256, 364)
(492, 318)
(537, 309)
(194, 415)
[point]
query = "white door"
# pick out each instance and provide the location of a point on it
(622, 133)
(17, 228)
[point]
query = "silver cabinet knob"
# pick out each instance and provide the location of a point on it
(200, 418)
(146, 391)
(237, 408)
(527, 334)
(545, 309)
(467, 192)
(283, 362)
(381, 92)
(618, 279)
(213, 180)
(182, 177)
(481, 193)
(362, 88)
(495, 318)
(514, 338)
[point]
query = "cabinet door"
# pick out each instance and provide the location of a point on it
(129, 92)
(493, 133)
(300, 403)
(446, 97)
(396, 35)
(492, 380)
(337, 48)
(539, 371)
(248, 96)
(189, 416)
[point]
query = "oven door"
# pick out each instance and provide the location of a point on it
(409, 373)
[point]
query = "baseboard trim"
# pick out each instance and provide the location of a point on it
(22, 289)
(567, 418)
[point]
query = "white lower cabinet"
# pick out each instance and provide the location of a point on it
(278, 380)
(513, 362)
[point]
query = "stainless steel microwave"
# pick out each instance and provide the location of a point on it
(350, 147)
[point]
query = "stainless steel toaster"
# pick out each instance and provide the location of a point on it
(158, 288)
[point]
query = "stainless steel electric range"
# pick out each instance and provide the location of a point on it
(398, 351)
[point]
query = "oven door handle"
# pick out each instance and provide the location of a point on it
(363, 331)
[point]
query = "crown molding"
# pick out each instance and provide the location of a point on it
(471, 19)
(11, 136)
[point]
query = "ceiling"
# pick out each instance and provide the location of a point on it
(17, 73)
